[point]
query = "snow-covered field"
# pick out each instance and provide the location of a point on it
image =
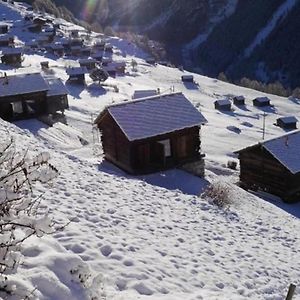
(152, 237)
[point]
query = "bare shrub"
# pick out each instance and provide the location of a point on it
(219, 194)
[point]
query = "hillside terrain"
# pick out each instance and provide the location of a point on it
(245, 32)
(152, 237)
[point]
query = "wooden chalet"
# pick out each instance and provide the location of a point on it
(98, 46)
(151, 60)
(239, 100)
(223, 104)
(86, 51)
(77, 74)
(4, 28)
(33, 45)
(44, 64)
(57, 49)
(26, 96)
(12, 56)
(287, 122)
(273, 166)
(144, 93)
(75, 50)
(106, 61)
(187, 78)
(151, 134)
(261, 101)
(6, 40)
(97, 56)
(89, 63)
(57, 95)
(108, 48)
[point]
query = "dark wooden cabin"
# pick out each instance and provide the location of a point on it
(57, 49)
(26, 96)
(261, 101)
(57, 95)
(187, 78)
(273, 166)
(287, 122)
(12, 56)
(7, 40)
(239, 100)
(89, 63)
(77, 74)
(151, 134)
(223, 104)
(3, 28)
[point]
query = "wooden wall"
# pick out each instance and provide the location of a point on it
(260, 170)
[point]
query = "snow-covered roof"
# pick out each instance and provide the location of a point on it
(87, 60)
(56, 87)
(285, 148)
(143, 93)
(288, 120)
(22, 84)
(156, 115)
(77, 70)
(222, 102)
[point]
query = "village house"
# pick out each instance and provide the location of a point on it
(12, 56)
(57, 49)
(273, 166)
(223, 104)
(31, 45)
(44, 64)
(86, 51)
(89, 63)
(57, 95)
(26, 96)
(77, 74)
(261, 101)
(97, 56)
(108, 48)
(187, 78)
(6, 40)
(3, 28)
(106, 61)
(150, 60)
(239, 100)
(287, 122)
(152, 134)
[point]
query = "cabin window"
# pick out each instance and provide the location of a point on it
(167, 147)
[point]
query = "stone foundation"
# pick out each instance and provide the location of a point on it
(196, 168)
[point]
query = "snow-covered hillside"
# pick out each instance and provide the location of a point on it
(152, 237)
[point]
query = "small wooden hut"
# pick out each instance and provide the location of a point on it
(151, 134)
(77, 74)
(261, 101)
(223, 104)
(6, 40)
(273, 166)
(287, 122)
(239, 100)
(44, 64)
(3, 28)
(57, 95)
(89, 63)
(187, 78)
(24, 96)
(12, 56)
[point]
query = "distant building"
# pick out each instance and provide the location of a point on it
(77, 74)
(273, 166)
(89, 63)
(239, 100)
(187, 78)
(144, 93)
(3, 28)
(152, 134)
(287, 122)
(6, 40)
(223, 104)
(26, 96)
(261, 101)
(12, 56)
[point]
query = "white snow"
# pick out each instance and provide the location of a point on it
(152, 237)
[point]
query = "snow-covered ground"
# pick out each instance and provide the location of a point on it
(152, 237)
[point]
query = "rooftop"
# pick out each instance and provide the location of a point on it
(155, 115)
(22, 84)
(56, 87)
(285, 148)
(77, 71)
(288, 120)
